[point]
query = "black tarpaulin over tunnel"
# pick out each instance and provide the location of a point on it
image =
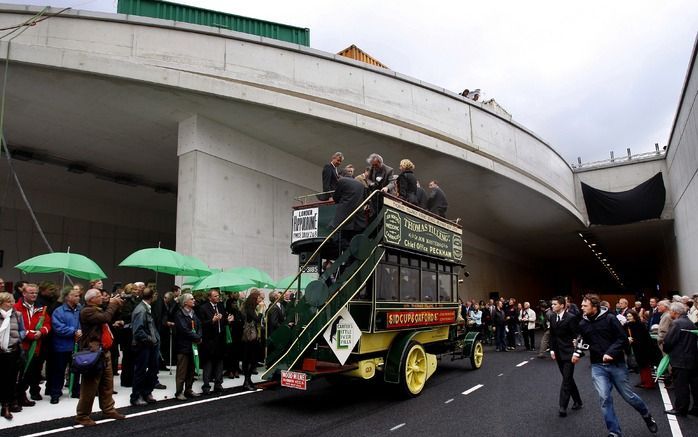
(646, 201)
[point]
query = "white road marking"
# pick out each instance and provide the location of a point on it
(143, 413)
(472, 389)
(501, 374)
(673, 420)
(522, 363)
(448, 401)
(397, 427)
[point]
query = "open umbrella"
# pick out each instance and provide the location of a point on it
(162, 261)
(288, 281)
(225, 281)
(661, 368)
(72, 264)
(259, 277)
(196, 265)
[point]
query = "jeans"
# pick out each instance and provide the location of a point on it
(145, 370)
(607, 376)
(57, 363)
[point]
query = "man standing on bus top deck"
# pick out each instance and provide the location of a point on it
(607, 341)
(380, 174)
(436, 202)
(330, 176)
(348, 196)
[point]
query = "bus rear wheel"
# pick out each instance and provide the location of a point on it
(414, 375)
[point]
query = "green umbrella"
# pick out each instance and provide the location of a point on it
(72, 264)
(661, 368)
(692, 331)
(288, 281)
(259, 277)
(32, 347)
(225, 281)
(198, 266)
(162, 261)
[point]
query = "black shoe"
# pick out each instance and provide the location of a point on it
(160, 386)
(138, 402)
(562, 412)
(15, 408)
(651, 424)
(150, 399)
(217, 390)
(26, 402)
(577, 406)
(675, 412)
(36, 396)
(54, 399)
(205, 392)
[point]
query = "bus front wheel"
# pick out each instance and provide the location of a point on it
(414, 374)
(477, 354)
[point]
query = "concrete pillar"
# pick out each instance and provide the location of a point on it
(234, 197)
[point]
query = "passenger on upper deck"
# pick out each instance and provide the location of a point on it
(363, 177)
(421, 196)
(437, 200)
(380, 174)
(330, 176)
(348, 196)
(406, 182)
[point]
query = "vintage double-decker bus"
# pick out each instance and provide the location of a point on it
(385, 306)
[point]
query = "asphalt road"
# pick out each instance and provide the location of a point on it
(514, 400)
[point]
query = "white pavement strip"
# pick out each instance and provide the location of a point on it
(449, 401)
(673, 420)
(472, 389)
(522, 363)
(144, 413)
(397, 427)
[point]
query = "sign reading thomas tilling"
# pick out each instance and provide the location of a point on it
(406, 319)
(305, 224)
(414, 230)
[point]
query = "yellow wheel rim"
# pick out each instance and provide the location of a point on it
(416, 369)
(478, 355)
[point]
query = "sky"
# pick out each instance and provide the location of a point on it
(587, 77)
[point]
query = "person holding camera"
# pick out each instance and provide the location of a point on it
(607, 342)
(95, 335)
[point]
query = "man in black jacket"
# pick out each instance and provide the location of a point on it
(348, 196)
(607, 341)
(563, 331)
(682, 347)
(146, 350)
(213, 318)
(437, 200)
(330, 176)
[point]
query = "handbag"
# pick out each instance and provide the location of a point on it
(87, 362)
(249, 332)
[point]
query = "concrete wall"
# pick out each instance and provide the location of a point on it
(682, 163)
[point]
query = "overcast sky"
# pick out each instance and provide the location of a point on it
(588, 77)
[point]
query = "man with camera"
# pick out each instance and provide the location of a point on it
(607, 341)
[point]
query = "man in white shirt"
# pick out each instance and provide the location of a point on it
(528, 326)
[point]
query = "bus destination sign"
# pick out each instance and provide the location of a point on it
(408, 319)
(414, 230)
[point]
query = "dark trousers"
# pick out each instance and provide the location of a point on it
(249, 357)
(55, 378)
(233, 355)
(9, 363)
(31, 378)
(100, 385)
(184, 379)
(568, 387)
(145, 370)
(511, 335)
(126, 358)
(212, 370)
(685, 386)
(500, 335)
(529, 337)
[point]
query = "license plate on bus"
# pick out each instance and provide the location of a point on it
(295, 380)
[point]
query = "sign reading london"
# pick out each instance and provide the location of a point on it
(420, 232)
(305, 224)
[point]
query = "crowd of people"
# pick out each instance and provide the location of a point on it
(628, 338)
(137, 333)
(340, 184)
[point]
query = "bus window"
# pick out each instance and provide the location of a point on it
(445, 284)
(428, 286)
(366, 292)
(386, 282)
(391, 258)
(409, 284)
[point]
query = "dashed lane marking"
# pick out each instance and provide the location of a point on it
(501, 374)
(448, 401)
(522, 363)
(472, 389)
(143, 413)
(397, 427)
(673, 420)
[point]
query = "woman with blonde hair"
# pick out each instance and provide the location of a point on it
(11, 335)
(407, 182)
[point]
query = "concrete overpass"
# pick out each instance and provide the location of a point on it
(238, 126)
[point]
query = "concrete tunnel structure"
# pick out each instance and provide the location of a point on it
(128, 131)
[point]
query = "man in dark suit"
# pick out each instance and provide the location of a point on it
(683, 353)
(421, 196)
(330, 176)
(276, 316)
(437, 200)
(380, 175)
(348, 196)
(563, 331)
(213, 320)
